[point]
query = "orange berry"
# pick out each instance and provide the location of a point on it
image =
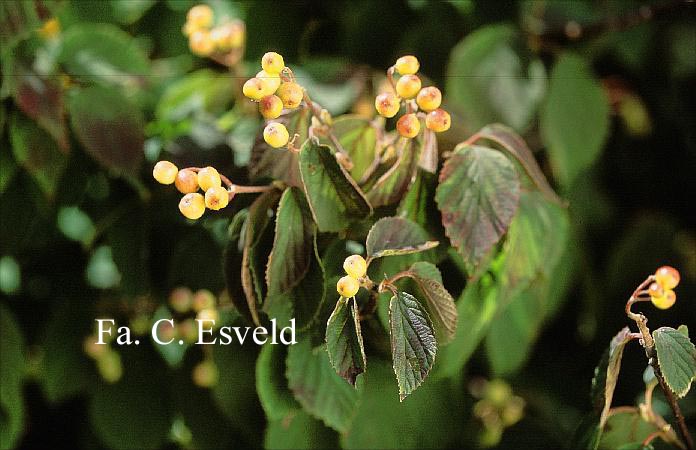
(186, 181)
(276, 135)
(667, 277)
(271, 106)
(164, 172)
(408, 125)
(192, 206)
(200, 43)
(291, 94)
(255, 88)
(216, 198)
(387, 104)
(200, 16)
(272, 62)
(407, 65)
(408, 86)
(203, 299)
(429, 98)
(208, 177)
(438, 120)
(666, 301)
(655, 290)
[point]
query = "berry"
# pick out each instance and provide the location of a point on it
(228, 36)
(355, 266)
(347, 286)
(180, 299)
(192, 206)
(165, 172)
(186, 181)
(186, 330)
(276, 135)
(408, 86)
(666, 301)
(290, 94)
(208, 314)
(271, 106)
(407, 65)
(200, 43)
(408, 125)
(429, 98)
(203, 299)
(438, 120)
(667, 277)
(205, 374)
(655, 290)
(272, 81)
(208, 177)
(92, 349)
(216, 198)
(255, 88)
(387, 104)
(272, 62)
(200, 16)
(110, 367)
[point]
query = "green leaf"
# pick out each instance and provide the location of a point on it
(333, 196)
(318, 388)
(130, 11)
(625, 427)
(173, 354)
(300, 430)
(393, 184)
(587, 434)
(271, 385)
(291, 256)
(358, 137)
(573, 131)
(12, 375)
(37, 152)
(344, 341)
(396, 236)
(18, 20)
(103, 53)
(412, 341)
(607, 373)
(109, 126)
(677, 358)
(489, 80)
(441, 307)
(478, 196)
(200, 91)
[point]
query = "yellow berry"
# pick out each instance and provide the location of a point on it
(228, 36)
(272, 62)
(355, 266)
(438, 120)
(192, 206)
(165, 172)
(186, 181)
(210, 314)
(408, 125)
(200, 16)
(655, 290)
(666, 301)
(109, 366)
(208, 177)
(387, 104)
(203, 299)
(347, 286)
(50, 28)
(276, 135)
(205, 374)
(271, 106)
(272, 81)
(255, 88)
(200, 43)
(667, 277)
(291, 94)
(408, 86)
(407, 65)
(429, 98)
(180, 299)
(216, 198)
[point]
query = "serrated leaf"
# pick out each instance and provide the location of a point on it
(573, 131)
(607, 373)
(441, 307)
(412, 341)
(358, 137)
(271, 385)
(417, 204)
(396, 236)
(676, 356)
(317, 386)
(391, 186)
(344, 341)
(333, 196)
(478, 196)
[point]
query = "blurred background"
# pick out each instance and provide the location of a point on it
(93, 93)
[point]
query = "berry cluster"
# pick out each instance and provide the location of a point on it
(410, 93)
(661, 290)
(356, 268)
(206, 39)
(188, 181)
(273, 92)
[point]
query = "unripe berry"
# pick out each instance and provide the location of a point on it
(216, 198)
(276, 135)
(164, 172)
(408, 86)
(429, 98)
(355, 266)
(408, 125)
(200, 16)
(667, 277)
(407, 65)
(255, 88)
(347, 286)
(272, 81)
(438, 120)
(271, 106)
(290, 94)
(192, 206)
(186, 181)
(203, 299)
(666, 301)
(205, 374)
(272, 62)
(200, 43)
(180, 299)
(208, 177)
(387, 104)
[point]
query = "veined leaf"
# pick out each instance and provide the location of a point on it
(344, 341)
(396, 236)
(359, 138)
(607, 373)
(440, 304)
(392, 185)
(677, 358)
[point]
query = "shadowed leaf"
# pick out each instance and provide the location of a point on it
(440, 304)
(396, 236)
(344, 341)
(391, 186)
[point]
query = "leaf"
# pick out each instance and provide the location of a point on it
(344, 341)
(478, 196)
(359, 138)
(130, 11)
(291, 256)
(300, 430)
(173, 354)
(676, 356)
(440, 304)
(393, 184)
(232, 264)
(12, 368)
(18, 20)
(318, 388)
(573, 131)
(200, 91)
(334, 198)
(396, 236)
(37, 152)
(607, 373)
(109, 126)
(271, 385)
(489, 80)
(418, 205)
(412, 341)
(624, 427)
